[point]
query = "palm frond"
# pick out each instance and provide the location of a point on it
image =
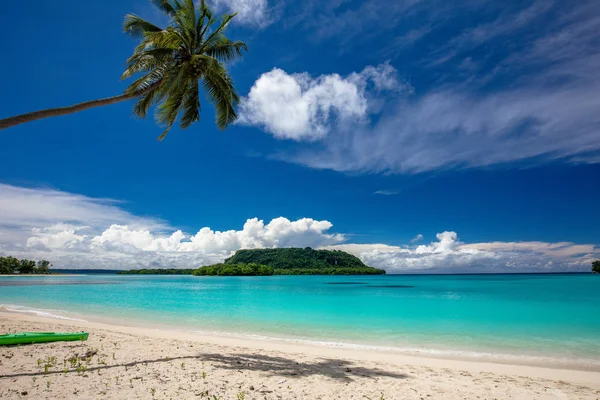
(225, 50)
(137, 26)
(166, 112)
(164, 6)
(141, 107)
(214, 36)
(191, 105)
(178, 78)
(204, 21)
(147, 60)
(174, 87)
(143, 83)
(220, 90)
(169, 38)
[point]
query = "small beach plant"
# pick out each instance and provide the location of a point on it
(173, 62)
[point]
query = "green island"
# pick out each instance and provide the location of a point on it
(11, 265)
(266, 262)
(596, 267)
(305, 261)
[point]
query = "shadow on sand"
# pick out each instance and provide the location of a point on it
(341, 370)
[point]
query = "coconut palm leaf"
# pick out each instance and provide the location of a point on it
(168, 64)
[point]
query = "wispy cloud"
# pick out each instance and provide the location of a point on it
(533, 104)
(386, 192)
(255, 13)
(350, 23)
(417, 238)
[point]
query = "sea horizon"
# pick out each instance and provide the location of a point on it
(110, 271)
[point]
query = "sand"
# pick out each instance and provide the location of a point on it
(143, 363)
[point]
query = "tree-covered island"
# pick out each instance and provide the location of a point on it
(287, 261)
(596, 267)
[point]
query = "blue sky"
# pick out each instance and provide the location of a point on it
(386, 121)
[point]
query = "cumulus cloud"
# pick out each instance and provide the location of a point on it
(449, 255)
(300, 107)
(130, 246)
(74, 231)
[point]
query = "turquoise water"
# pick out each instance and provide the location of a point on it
(555, 316)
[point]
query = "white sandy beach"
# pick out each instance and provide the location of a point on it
(143, 363)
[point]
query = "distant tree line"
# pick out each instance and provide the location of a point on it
(330, 271)
(11, 265)
(596, 267)
(234, 270)
(157, 271)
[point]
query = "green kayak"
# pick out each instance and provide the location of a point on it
(41, 337)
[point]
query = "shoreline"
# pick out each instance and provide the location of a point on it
(582, 376)
(144, 363)
(447, 354)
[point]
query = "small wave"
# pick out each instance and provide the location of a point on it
(56, 314)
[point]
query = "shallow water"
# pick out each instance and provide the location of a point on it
(532, 316)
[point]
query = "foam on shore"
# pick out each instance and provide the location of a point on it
(436, 353)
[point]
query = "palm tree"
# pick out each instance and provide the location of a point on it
(172, 61)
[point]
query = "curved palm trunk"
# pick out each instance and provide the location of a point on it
(55, 112)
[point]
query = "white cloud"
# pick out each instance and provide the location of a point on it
(140, 247)
(386, 192)
(300, 107)
(457, 129)
(96, 233)
(417, 238)
(449, 255)
(249, 12)
(484, 106)
(76, 231)
(44, 211)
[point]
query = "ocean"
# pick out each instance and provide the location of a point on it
(525, 318)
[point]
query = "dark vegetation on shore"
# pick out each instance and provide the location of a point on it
(158, 271)
(264, 262)
(234, 270)
(11, 265)
(596, 267)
